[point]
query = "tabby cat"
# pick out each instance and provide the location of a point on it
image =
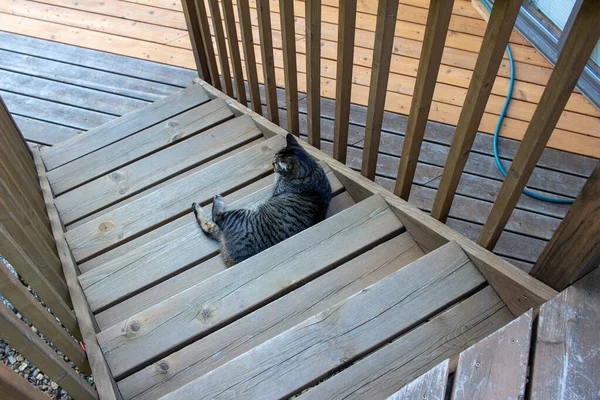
(300, 199)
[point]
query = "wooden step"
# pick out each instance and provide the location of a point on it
(118, 129)
(236, 291)
(339, 335)
(157, 167)
(173, 200)
(132, 148)
(210, 352)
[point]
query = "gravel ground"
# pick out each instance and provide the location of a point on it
(26, 369)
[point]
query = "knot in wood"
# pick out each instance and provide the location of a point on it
(117, 176)
(205, 315)
(135, 326)
(164, 367)
(172, 124)
(106, 226)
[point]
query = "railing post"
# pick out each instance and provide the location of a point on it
(234, 50)
(313, 71)
(387, 12)
(502, 20)
(436, 30)
(202, 18)
(268, 62)
(215, 14)
(191, 20)
(574, 249)
(288, 37)
(569, 66)
(249, 56)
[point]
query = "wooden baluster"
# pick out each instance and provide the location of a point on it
(215, 14)
(387, 11)
(249, 56)
(343, 79)
(574, 249)
(569, 66)
(14, 386)
(436, 30)
(502, 20)
(288, 38)
(209, 50)
(191, 20)
(313, 71)
(234, 51)
(268, 63)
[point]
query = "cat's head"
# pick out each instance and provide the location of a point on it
(293, 162)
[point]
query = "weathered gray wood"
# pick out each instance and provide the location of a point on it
(209, 305)
(496, 367)
(172, 201)
(137, 146)
(154, 168)
(120, 128)
(43, 132)
(343, 332)
(246, 333)
(566, 364)
(430, 386)
(393, 366)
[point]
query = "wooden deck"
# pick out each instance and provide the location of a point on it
(155, 30)
(44, 83)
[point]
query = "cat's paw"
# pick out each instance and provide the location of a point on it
(218, 204)
(199, 212)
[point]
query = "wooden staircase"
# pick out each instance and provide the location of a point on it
(354, 307)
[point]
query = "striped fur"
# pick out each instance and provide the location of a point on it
(300, 199)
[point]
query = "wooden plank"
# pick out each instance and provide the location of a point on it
(343, 332)
(193, 26)
(502, 20)
(569, 66)
(266, 47)
(247, 333)
(20, 337)
(393, 366)
(431, 385)
(313, 71)
(13, 139)
(103, 380)
(249, 56)
(382, 57)
(234, 50)
(343, 77)
(173, 200)
(134, 147)
(574, 249)
(288, 38)
(120, 128)
(18, 295)
(219, 35)
(42, 132)
(157, 167)
(326, 245)
(566, 362)
(13, 386)
(436, 29)
(215, 80)
(497, 365)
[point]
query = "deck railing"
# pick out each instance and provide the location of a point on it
(27, 244)
(576, 52)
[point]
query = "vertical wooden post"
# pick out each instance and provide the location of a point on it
(569, 66)
(313, 71)
(502, 20)
(234, 50)
(215, 14)
(268, 63)
(387, 11)
(288, 36)
(574, 249)
(209, 50)
(191, 20)
(436, 30)
(343, 79)
(249, 56)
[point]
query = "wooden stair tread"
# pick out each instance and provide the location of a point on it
(172, 200)
(429, 386)
(133, 147)
(321, 344)
(156, 167)
(276, 317)
(237, 290)
(117, 129)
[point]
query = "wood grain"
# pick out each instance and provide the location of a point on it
(313, 71)
(208, 43)
(266, 51)
(249, 56)
(288, 38)
(193, 27)
(431, 385)
(234, 50)
(219, 35)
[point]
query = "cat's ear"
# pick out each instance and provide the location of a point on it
(292, 141)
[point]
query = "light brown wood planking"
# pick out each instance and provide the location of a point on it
(13, 386)
(566, 362)
(496, 367)
(431, 385)
(215, 350)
